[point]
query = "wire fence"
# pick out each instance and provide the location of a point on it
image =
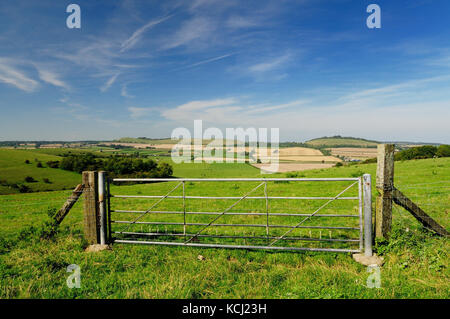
(433, 197)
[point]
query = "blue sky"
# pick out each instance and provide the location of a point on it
(142, 68)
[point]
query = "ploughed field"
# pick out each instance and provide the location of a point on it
(354, 152)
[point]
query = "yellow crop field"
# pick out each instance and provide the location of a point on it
(301, 151)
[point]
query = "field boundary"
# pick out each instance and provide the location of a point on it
(103, 232)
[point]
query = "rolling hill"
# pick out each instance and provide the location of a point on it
(14, 170)
(339, 141)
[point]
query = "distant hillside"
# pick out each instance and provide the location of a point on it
(145, 140)
(340, 141)
(15, 170)
(154, 141)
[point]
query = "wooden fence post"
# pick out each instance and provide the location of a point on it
(91, 208)
(385, 186)
(68, 204)
(403, 201)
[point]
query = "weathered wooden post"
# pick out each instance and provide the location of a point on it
(385, 186)
(91, 208)
(68, 204)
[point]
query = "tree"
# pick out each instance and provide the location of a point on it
(443, 151)
(29, 179)
(426, 151)
(164, 170)
(53, 164)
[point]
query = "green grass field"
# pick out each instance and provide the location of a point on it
(416, 261)
(13, 170)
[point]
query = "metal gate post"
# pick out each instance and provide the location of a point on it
(102, 206)
(367, 186)
(360, 213)
(267, 210)
(108, 196)
(184, 210)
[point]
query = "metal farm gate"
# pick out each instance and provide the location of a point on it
(313, 214)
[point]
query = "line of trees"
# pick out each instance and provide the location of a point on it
(116, 165)
(426, 151)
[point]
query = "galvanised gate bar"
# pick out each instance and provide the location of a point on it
(246, 213)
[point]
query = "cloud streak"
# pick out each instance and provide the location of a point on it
(136, 36)
(13, 76)
(206, 61)
(52, 78)
(238, 22)
(109, 83)
(227, 110)
(124, 92)
(194, 29)
(269, 65)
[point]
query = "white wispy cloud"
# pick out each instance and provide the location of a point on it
(99, 53)
(205, 61)
(52, 78)
(442, 60)
(211, 109)
(224, 110)
(110, 82)
(237, 22)
(201, 105)
(136, 36)
(396, 89)
(277, 107)
(124, 92)
(193, 29)
(212, 5)
(410, 110)
(10, 74)
(269, 65)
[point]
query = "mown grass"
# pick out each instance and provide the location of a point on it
(416, 261)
